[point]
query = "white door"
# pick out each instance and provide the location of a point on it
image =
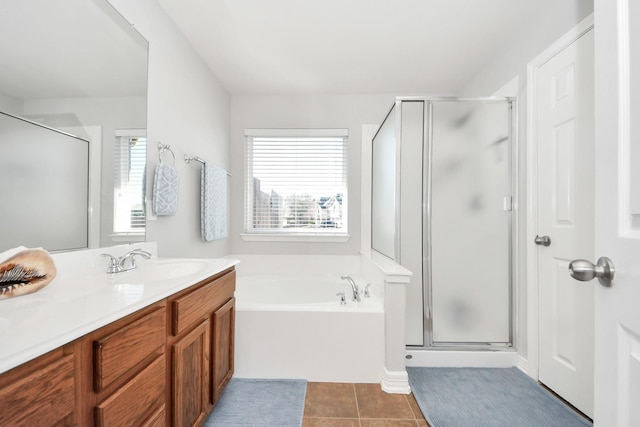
(565, 141)
(617, 308)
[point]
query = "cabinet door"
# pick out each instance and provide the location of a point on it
(222, 340)
(191, 377)
(41, 397)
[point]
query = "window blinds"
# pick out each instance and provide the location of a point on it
(296, 181)
(130, 158)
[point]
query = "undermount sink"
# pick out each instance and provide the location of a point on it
(161, 269)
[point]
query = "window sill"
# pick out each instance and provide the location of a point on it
(295, 237)
(127, 237)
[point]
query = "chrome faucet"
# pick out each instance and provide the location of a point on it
(118, 265)
(131, 256)
(354, 287)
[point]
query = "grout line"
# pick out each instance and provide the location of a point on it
(355, 394)
(415, 416)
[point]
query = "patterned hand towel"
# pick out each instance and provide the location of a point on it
(165, 190)
(213, 198)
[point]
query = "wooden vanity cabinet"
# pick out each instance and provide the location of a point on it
(164, 365)
(201, 342)
(44, 391)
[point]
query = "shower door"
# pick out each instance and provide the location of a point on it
(468, 223)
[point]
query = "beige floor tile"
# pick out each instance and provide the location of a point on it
(330, 422)
(366, 422)
(417, 412)
(375, 403)
(334, 400)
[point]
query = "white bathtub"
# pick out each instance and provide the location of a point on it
(293, 326)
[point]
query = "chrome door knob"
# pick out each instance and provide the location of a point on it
(583, 270)
(543, 241)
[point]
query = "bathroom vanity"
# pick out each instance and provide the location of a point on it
(166, 363)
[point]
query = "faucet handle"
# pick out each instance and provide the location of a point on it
(141, 252)
(367, 293)
(343, 299)
(113, 264)
(132, 259)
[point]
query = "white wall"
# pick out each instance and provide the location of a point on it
(189, 109)
(304, 111)
(507, 64)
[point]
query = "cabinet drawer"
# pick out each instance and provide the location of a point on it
(132, 403)
(188, 309)
(43, 397)
(157, 419)
(122, 350)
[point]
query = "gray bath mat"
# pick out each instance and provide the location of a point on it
(259, 402)
(466, 397)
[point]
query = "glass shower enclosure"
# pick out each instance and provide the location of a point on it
(442, 206)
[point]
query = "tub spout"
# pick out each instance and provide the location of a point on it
(354, 287)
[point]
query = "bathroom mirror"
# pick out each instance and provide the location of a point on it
(72, 67)
(383, 188)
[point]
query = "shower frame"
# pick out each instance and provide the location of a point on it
(512, 177)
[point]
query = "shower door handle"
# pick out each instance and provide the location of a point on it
(583, 270)
(543, 241)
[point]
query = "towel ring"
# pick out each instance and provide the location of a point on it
(165, 147)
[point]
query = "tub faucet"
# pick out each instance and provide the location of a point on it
(354, 287)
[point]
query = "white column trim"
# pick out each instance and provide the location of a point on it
(396, 382)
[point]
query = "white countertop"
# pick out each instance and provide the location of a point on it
(73, 305)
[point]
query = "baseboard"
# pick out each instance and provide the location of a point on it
(395, 382)
(523, 364)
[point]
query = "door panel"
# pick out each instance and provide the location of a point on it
(565, 214)
(469, 222)
(617, 332)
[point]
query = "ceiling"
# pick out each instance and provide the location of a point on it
(349, 46)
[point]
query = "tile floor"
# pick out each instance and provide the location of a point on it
(359, 405)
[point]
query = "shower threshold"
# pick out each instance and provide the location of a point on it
(486, 358)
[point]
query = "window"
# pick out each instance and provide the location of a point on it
(296, 184)
(130, 157)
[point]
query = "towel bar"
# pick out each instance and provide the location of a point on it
(188, 159)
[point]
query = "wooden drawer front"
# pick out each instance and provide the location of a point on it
(157, 419)
(42, 398)
(194, 306)
(117, 353)
(131, 404)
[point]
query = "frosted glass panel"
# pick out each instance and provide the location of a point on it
(46, 199)
(383, 191)
(470, 177)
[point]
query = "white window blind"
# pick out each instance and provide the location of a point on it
(296, 181)
(130, 159)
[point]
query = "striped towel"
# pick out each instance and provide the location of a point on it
(213, 199)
